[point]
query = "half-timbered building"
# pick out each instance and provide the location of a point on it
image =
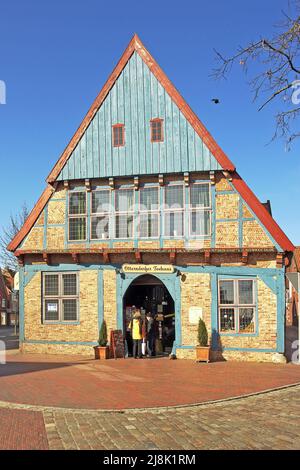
(144, 208)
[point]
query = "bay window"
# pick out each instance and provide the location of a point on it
(237, 306)
(185, 212)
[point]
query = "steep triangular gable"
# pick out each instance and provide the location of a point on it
(136, 45)
(135, 99)
(215, 153)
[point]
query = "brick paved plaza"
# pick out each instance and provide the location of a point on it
(267, 421)
(64, 402)
(74, 382)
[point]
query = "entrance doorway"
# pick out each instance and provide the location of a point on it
(149, 294)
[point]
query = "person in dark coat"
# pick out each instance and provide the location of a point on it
(150, 334)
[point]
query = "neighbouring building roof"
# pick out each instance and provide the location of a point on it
(267, 205)
(297, 257)
(5, 291)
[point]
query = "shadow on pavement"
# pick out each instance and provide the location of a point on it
(291, 335)
(17, 368)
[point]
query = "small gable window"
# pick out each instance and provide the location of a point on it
(156, 126)
(118, 135)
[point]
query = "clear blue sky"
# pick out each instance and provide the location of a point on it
(56, 55)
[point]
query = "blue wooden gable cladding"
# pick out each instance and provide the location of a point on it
(135, 99)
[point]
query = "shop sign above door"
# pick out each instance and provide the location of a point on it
(148, 268)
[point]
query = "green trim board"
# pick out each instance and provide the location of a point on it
(266, 350)
(100, 298)
(231, 270)
(42, 341)
(21, 303)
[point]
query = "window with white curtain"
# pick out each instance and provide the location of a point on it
(174, 211)
(149, 212)
(100, 214)
(77, 215)
(124, 208)
(200, 210)
(185, 212)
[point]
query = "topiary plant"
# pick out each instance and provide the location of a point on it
(103, 335)
(202, 333)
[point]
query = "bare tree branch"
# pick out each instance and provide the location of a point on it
(275, 61)
(274, 95)
(278, 51)
(7, 259)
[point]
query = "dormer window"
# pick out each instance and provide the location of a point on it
(118, 135)
(156, 126)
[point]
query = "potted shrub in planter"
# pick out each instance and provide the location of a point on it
(203, 349)
(102, 351)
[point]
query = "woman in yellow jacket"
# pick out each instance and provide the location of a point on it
(136, 333)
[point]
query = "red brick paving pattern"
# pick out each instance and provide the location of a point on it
(22, 430)
(267, 421)
(127, 383)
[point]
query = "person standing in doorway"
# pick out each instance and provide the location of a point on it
(136, 334)
(151, 334)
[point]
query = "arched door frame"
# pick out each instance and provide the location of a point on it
(170, 281)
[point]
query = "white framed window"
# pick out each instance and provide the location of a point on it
(60, 297)
(77, 216)
(149, 212)
(237, 306)
(200, 209)
(174, 210)
(124, 212)
(100, 214)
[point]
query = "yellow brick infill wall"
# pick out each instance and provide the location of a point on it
(85, 331)
(227, 206)
(195, 292)
(254, 235)
(56, 212)
(227, 234)
(110, 299)
(35, 239)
